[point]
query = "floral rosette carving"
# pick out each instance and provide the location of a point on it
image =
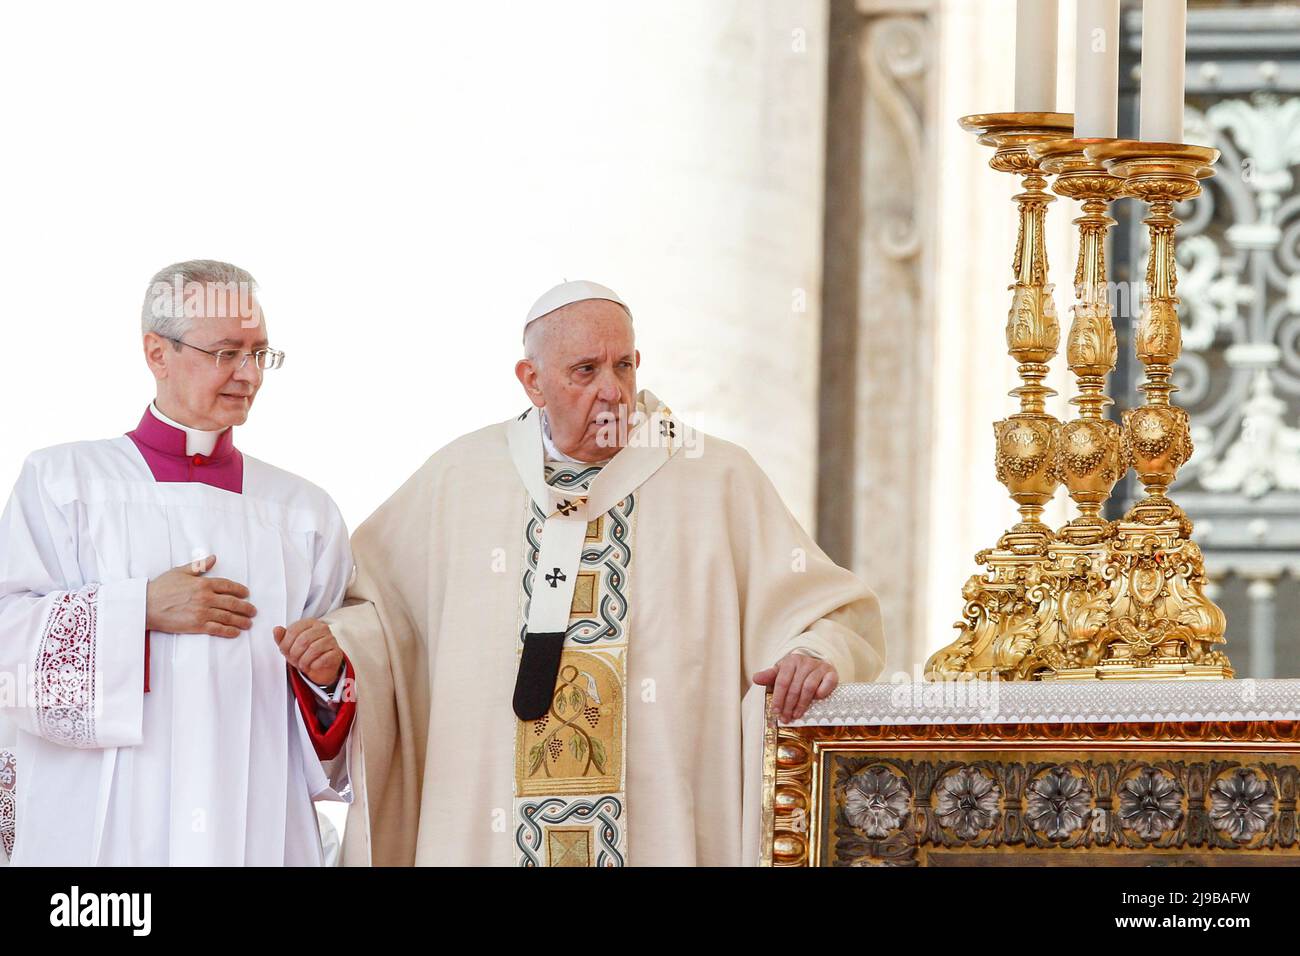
(967, 801)
(876, 801)
(1150, 804)
(1242, 804)
(1057, 803)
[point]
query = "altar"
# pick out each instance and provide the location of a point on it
(1025, 773)
(1086, 712)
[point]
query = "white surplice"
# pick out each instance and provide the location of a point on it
(213, 765)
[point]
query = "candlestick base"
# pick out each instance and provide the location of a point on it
(1160, 671)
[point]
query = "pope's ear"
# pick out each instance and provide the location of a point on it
(155, 354)
(527, 375)
(637, 354)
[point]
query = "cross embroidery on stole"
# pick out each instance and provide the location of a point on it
(570, 778)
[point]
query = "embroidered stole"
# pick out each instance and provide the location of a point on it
(570, 806)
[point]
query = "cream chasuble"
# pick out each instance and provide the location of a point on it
(671, 573)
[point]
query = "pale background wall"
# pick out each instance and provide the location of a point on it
(404, 183)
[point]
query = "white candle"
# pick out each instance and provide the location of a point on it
(1096, 69)
(1035, 56)
(1164, 62)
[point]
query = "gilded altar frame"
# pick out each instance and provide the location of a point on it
(1197, 770)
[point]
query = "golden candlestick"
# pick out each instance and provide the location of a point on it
(1160, 175)
(1027, 440)
(1157, 620)
(1007, 609)
(1088, 459)
(1121, 599)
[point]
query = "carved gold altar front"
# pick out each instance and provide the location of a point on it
(1127, 793)
(1096, 598)
(1174, 763)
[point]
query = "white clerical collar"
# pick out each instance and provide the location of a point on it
(197, 442)
(553, 453)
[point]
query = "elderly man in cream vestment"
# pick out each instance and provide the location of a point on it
(555, 620)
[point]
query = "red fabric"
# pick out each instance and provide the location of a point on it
(163, 450)
(146, 662)
(327, 743)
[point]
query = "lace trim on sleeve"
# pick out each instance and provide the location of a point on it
(8, 800)
(65, 670)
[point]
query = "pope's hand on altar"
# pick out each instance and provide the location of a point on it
(182, 601)
(309, 645)
(796, 681)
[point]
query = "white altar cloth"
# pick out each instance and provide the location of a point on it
(1015, 702)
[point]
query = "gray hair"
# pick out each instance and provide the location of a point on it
(165, 309)
(532, 345)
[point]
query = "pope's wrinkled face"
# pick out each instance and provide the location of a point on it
(192, 388)
(583, 372)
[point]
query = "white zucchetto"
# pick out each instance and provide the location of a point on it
(567, 293)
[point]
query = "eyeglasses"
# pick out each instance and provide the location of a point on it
(265, 358)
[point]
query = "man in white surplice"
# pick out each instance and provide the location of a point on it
(162, 716)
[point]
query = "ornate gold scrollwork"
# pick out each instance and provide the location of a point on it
(1117, 599)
